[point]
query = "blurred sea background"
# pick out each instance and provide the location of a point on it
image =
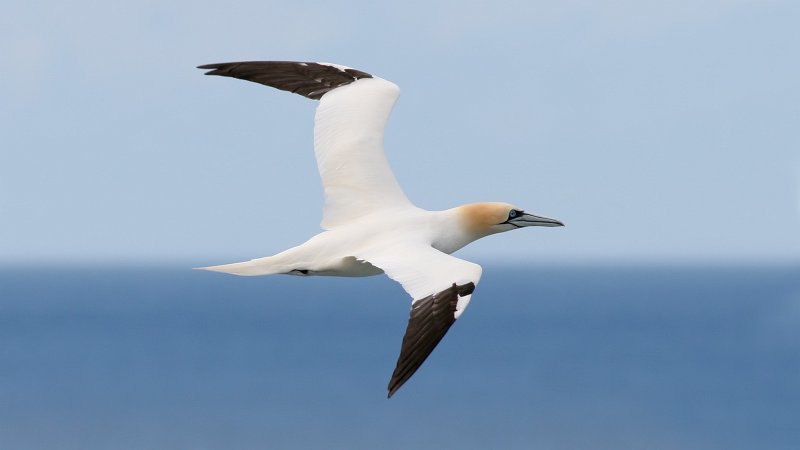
(565, 357)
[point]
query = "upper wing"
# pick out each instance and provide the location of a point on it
(441, 287)
(348, 131)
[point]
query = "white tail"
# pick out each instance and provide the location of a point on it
(259, 266)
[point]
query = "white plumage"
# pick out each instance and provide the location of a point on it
(370, 226)
(348, 144)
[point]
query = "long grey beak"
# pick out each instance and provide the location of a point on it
(529, 220)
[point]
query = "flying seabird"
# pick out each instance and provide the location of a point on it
(370, 227)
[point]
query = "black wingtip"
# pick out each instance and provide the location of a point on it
(213, 69)
(428, 322)
(309, 79)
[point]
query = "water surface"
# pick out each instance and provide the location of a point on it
(561, 358)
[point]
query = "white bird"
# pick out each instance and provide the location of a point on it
(370, 227)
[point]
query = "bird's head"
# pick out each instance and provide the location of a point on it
(488, 218)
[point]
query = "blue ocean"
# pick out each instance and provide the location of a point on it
(566, 357)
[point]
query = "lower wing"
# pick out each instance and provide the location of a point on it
(441, 287)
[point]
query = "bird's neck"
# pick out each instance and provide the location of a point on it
(454, 229)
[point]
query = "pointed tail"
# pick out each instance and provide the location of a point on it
(254, 267)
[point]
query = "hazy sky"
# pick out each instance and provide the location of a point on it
(666, 130)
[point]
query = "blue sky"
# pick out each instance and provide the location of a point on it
(665, 131)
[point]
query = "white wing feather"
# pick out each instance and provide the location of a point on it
(422, 270)
(348, 143)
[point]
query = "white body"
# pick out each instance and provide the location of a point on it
(409, 244)
(333, 252)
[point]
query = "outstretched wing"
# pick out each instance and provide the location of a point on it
(441, 287)
(348, 131)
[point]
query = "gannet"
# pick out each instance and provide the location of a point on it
(369, 226)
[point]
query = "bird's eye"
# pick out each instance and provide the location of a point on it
(512, 214)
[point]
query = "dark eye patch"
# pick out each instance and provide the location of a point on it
(514, 214)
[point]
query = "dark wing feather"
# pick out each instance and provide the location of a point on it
(429, 321)
(308, 79)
